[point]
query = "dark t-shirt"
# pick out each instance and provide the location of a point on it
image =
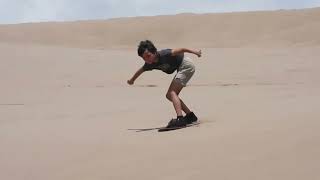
(166, 62)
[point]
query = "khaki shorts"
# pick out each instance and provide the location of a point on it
(185, 71)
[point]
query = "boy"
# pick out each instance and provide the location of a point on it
(168, 61)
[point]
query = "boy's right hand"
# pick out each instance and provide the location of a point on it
(130, 82)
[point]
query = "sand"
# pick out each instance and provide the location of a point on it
(65, 106)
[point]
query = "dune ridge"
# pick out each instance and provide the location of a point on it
(254, 29)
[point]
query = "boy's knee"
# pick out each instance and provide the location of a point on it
(170, 94)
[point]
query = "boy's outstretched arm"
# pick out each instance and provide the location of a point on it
(135, 76)
(183, 50)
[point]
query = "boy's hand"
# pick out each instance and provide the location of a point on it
(199, 53)
(130, 82)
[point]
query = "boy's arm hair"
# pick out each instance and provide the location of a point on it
(136, 75)
(183, 50)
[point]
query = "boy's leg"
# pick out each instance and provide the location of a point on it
(173, 95)
(184, 107)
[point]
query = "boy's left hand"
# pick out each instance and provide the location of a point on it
(199, 53)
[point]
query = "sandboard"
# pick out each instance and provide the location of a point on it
(163, 129)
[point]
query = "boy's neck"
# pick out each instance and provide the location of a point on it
(157, 57)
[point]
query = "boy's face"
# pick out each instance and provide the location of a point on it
(148, 57)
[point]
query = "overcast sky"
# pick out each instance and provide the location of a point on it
(19, 11)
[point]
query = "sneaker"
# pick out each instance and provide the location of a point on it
(191, 118)
(178, 122)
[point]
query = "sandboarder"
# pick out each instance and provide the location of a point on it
(169, 61)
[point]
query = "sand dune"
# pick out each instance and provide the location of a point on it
(273, 28)
(65, 110)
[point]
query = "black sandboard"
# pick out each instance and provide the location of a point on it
(163, 129)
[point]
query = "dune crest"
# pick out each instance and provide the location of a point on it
(254, 29)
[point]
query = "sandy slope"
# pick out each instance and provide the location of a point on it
(65, 111)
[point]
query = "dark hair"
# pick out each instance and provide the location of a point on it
(146, 45)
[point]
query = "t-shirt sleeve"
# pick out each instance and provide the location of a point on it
(147, 67)
(165, 52)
